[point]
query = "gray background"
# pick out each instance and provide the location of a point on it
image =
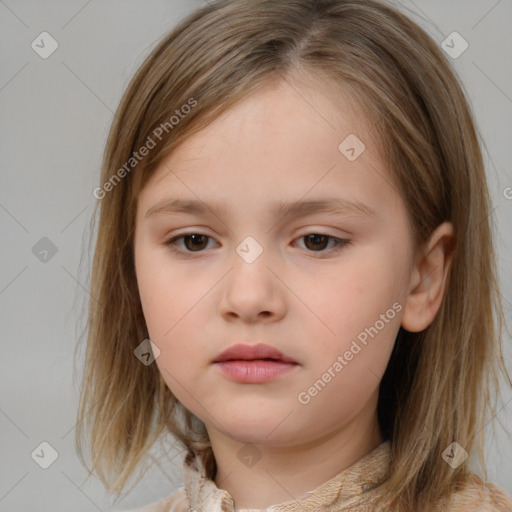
(54, 118)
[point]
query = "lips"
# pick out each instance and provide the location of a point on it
(241, 352)
(254, 364)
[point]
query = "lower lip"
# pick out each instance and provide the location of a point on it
(255, 371)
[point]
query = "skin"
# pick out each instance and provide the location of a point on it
(309, 301)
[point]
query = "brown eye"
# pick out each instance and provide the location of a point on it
(197, 242)
(316, 241)
(193, 242)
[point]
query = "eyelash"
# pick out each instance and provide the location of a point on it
(340, 243)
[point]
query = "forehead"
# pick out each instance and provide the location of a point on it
(281, 113)
(287, 140)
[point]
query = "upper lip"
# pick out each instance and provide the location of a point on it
(251, 352)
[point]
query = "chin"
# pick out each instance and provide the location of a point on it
(257, 428)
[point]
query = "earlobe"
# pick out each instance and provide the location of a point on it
(428, 279)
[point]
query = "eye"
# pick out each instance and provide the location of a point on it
(317, 241)
(193, 241)
(196, 242)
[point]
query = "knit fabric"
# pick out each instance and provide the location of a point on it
(354, 490)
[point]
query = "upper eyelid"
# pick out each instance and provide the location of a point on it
(174, 238)
(198, 232)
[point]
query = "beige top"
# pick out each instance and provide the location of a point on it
(353, 489)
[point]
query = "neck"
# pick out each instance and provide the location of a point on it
(271, 474)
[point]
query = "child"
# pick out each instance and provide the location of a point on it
(355, 375)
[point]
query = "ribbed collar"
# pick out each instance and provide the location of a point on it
(354, 486)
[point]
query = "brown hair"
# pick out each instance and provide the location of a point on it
(440, 382)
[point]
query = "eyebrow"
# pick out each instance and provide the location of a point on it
(335, 206)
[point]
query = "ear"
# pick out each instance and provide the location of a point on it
(428, 279)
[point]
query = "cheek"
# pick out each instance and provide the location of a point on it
(166, 294)
(355, 294)
(175, 317)
(347, 375)
(360, 308)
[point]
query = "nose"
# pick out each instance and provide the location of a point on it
(252, 291)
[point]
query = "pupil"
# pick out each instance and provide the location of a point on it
(315, 238)
(194, 239)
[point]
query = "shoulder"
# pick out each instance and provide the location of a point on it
(176, 502)
(476, 496)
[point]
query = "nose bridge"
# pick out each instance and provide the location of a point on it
(255, 244)
(251, 285)
(250, 249)
(251, 263)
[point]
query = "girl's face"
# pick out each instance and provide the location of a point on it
(255, 275)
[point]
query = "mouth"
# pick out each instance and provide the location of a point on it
(254, 371)
(260, 352)
(254, 364)
(271, 359)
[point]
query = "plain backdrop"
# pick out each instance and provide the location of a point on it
(55, 113)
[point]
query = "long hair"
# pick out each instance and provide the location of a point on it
(439, 386)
